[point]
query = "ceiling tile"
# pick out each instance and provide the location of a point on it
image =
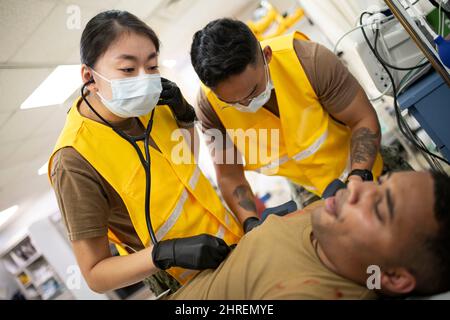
(60, 40)
(6, 151)
(4, 116)
(22, 124)
(31, 149)
(18, 20)
(18, 84)
(54, 123)
(22, 186)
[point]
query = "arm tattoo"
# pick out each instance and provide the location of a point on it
(364, 145)
(245, 197)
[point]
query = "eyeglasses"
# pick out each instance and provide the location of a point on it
(254, 94)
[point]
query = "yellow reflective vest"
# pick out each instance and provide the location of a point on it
(182, 203)
(304, 144)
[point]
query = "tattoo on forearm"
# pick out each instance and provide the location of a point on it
(364, 145)
(245, 197)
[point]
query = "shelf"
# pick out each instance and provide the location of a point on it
(29, 262)
(35, 276)
(24, 279)
(32, 259)
(50, 288)
(10, 266)
(44, 279)
(21, 255)
(31, 292)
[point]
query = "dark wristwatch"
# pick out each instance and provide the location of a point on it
(366, 175)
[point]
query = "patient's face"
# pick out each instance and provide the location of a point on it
(374, 223)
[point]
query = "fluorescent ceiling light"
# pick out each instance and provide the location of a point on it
(43, 170)
(7, 214)
(56, 89)
(169, 63)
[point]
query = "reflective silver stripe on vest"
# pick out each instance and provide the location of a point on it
(221, 233)
(310, 188)
(227, 219)
(312, 148)
(273, 164)
(299, 156)
(173, 218)
(347, 169)
(194, 178)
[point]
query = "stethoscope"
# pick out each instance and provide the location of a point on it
(145, 160)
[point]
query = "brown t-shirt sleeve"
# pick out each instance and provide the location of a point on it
(332, 82)
(206, 114)
(212, 127)
(80, 194)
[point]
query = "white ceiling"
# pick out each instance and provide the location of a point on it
(34, 39)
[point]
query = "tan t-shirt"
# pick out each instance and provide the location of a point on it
(332, 82)
(273, 261)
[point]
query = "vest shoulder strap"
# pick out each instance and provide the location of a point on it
(284, 42)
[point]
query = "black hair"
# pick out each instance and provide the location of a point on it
(101, 31)
(223, 48)
(439, 244)
(430, 260)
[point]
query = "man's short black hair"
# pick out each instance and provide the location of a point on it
(439, 244)
(223, 48)
(429, 258)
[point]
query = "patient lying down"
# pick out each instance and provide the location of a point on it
(400, 225)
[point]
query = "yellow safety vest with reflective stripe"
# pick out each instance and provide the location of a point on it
(182, 203)
(312, 149)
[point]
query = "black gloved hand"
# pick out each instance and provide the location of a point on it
(172, 96)
(280, 210)
(198, 252)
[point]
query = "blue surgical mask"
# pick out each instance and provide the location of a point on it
(132, 97)
(259, 101)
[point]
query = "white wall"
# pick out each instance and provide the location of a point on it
(34, 208)
(7, 284)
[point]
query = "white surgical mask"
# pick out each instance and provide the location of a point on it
(133, 97)
(259, 101)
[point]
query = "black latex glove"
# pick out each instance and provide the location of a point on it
(281, 210)
(198, 252)
(172, 96)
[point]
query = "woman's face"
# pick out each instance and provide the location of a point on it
(130, 55)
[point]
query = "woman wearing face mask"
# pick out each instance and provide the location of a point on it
(111, 188)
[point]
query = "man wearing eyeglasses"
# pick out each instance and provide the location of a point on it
(286, 106)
